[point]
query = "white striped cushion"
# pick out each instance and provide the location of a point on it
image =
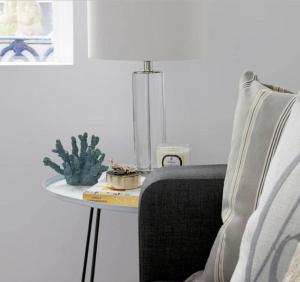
(293, 273)
(261, 114)
(273, 231)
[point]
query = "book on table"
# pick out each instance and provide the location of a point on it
(104, 194)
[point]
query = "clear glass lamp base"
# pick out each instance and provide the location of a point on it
(149, 122)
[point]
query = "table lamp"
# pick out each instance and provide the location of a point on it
(147, 31)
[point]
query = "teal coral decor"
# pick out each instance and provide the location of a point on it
(82, 168)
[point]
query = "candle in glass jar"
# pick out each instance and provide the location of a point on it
(173, 155)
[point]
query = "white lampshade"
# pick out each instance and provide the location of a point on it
(146, 30)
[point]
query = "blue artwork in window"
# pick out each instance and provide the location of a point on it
(22, 49)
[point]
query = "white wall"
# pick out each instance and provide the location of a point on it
(41, 238)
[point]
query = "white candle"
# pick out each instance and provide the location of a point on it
(173, 155)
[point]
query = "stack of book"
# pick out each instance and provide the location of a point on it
(102, 193)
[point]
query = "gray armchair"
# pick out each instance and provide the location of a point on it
(179, 217)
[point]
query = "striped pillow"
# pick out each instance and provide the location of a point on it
(270, 249)
(261, 114)
(293, 273)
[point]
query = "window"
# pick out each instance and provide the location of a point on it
(36, 32)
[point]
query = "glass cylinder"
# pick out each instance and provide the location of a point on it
(149, 122)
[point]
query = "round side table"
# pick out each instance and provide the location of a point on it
(58, 188)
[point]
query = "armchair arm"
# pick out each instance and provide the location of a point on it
(179, 217)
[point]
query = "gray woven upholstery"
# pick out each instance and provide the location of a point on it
(179, 217)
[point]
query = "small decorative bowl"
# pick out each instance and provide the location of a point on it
(123, 181)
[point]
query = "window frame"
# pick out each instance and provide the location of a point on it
(62, 38)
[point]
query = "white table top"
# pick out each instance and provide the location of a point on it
(58, 187)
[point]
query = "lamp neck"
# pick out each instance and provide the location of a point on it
(148, 66)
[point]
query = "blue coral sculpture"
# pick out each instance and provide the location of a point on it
(82, 168)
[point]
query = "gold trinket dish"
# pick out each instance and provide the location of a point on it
(123, 177)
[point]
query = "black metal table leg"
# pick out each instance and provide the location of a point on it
(87, 245)
(95, 245)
